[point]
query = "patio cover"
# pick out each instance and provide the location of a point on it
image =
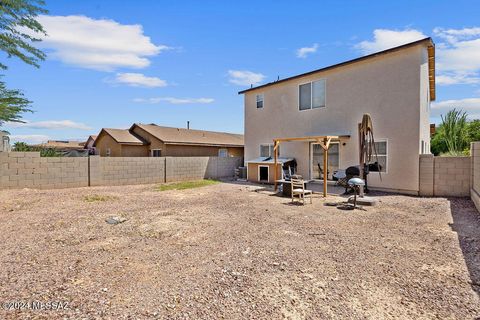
(324, 141)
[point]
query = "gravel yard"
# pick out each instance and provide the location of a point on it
(235, 251)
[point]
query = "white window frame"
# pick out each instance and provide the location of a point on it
(257, 101)
(311, 94)
(152, 151)
(385, 155)
(223, 150)
(270, 149)
(311, 157)
(108, 152)
(268, 173)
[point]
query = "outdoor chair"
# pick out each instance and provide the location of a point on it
(298, 190)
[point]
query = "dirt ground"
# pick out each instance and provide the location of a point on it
(231, 251)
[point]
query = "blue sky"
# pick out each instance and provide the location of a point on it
(112, 63)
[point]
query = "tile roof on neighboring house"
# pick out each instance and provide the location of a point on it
(62, 144)
(182, 136)
(431, 65)
(122, 136)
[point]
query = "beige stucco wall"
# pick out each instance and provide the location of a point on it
(387, 87)
(199, 151)
(103, 142)
(134, 151)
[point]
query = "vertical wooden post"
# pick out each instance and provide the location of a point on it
(361, 148)
(275, 150)
(325, 165)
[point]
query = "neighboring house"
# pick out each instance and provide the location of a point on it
(158, 141)
(119, 143)
(62, 145)
(90, 141)
(394, 86)
(89, 145)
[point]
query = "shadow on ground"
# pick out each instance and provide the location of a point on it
(466, 223)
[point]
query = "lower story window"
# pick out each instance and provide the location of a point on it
(266, 150)
(156, 152)
(222, 153)
(382, 153)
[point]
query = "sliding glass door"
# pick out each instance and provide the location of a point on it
(316, 161)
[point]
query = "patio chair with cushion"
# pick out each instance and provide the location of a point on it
(298, 190)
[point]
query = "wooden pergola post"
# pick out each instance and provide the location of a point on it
(324, 141)
(275, 157)
(325, 146)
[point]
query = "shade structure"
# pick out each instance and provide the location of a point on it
(324, 141)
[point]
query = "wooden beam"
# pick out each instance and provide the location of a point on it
(308, 138)
(327, 145)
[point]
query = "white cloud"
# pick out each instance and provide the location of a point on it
(448, 78)
(50, 124)
(385, 39)
(458, 58)
(29, 138)
(470, 105)
(454, 35)
(99, 44)
(139, 80)
(175, 100)
(245, 77)
(305, 51)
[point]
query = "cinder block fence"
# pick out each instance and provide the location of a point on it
(29, 170)
(445, 176)
(451, 176)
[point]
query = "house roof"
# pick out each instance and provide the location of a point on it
(431, 65)
(182, 136)
(62, 144)
(122, 136)
(270, 160)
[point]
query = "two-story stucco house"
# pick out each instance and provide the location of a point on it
(394, 86)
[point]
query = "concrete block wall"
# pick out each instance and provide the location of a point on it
(475, 182)
(188, 168)
(29, 170)
(452, 176)
(426, 174)
(226, 166)
(114, 171)
(445, 176)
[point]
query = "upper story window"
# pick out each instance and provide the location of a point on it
(259, 98)
(266, 150)
(312, 95)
